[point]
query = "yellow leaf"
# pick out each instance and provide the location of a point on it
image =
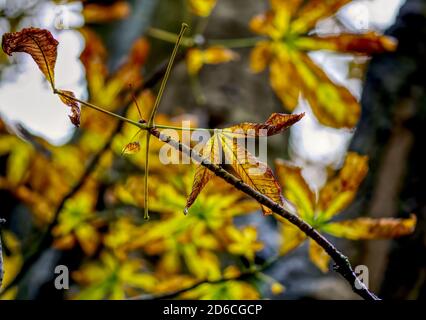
(131, 148)
(244, 242)
(194, 61)
(201, 263)
(65, 242)
(338, 193)
(318, 256)
(18, 163)
(110, 278)
(277, 288)
(202, 8)
(292, 72)
(367, 228)
(94, 58)
(260, 56)
(332, 104)
(196, 58)
(202, 174)
(217, 55)
(38, 43)
(295, 188)
(276, 21)
(88, 238)
(252, 171)
(284, 78)
(272, 23)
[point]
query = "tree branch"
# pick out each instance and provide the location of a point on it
(342, 264)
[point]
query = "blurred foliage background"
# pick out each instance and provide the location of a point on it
(69, 196)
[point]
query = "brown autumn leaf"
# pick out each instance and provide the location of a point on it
(38, 43)
(66, 98)
(253, 172)
(43, 48)
(249, 169)
(131, 148)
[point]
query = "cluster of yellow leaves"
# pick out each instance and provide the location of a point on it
(42, 47)
(196, 58)
(320, 209)
(292, 72)
(191, 241)
(111, 278)
(78, 222)
(25, 176)
(185, 247)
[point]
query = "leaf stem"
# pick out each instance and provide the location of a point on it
(142, 126)
(154, 112)
(169, 37)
